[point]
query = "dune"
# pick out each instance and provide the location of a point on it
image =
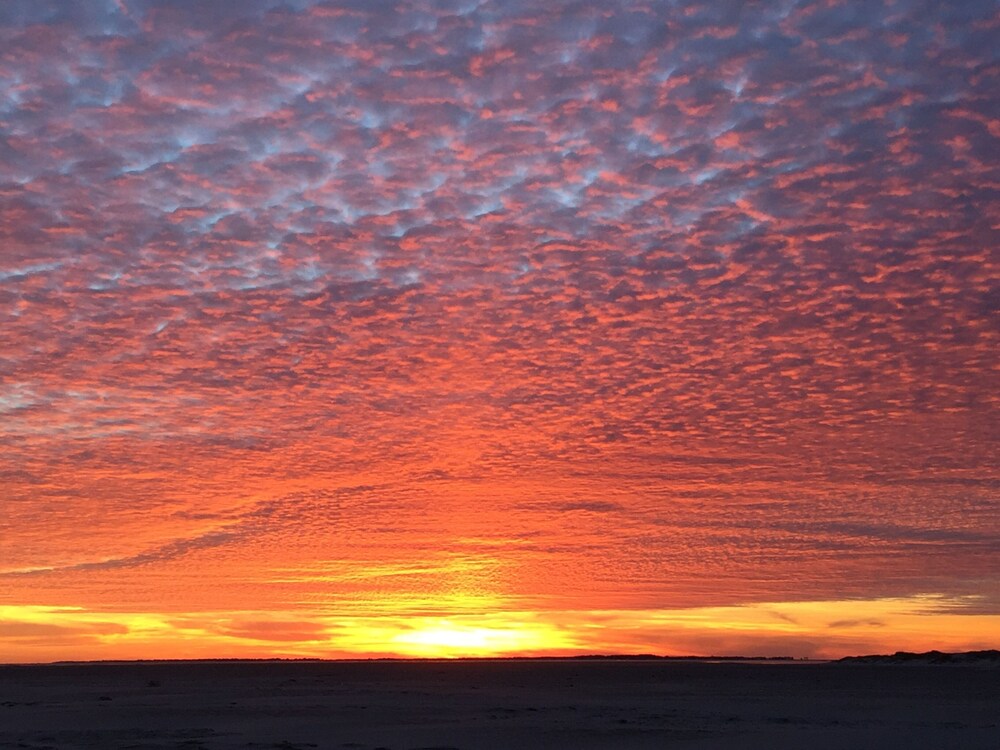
(988, 658)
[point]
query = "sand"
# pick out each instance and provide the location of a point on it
(498, 704)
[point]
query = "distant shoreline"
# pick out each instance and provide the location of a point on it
(428, 660)
(985, 657)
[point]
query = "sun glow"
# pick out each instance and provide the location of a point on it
(918, 623)
(445, 638)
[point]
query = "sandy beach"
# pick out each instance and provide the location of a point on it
(497, 704)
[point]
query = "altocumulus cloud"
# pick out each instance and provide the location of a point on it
(683, 302)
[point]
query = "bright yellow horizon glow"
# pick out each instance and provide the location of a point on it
(821, 629)
(446, 638)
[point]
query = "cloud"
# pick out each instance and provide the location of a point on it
(277, 630)
(40, 630)
(721, 280)
(856, 623)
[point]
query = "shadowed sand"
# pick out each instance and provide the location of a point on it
(497, 704)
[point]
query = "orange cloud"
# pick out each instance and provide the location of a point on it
(500, 312)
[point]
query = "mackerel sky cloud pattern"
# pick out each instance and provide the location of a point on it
(431, 308)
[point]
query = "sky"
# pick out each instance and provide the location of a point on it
(460, 328)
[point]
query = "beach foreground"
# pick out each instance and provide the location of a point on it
(497, 704)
